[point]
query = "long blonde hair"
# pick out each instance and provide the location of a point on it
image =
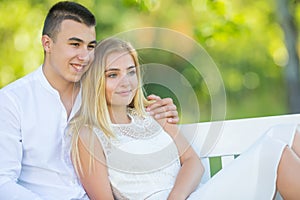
(93, 112)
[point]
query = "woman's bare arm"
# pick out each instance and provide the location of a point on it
(191, 170)
(94, 178)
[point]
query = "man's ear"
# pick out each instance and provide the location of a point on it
(46, 42)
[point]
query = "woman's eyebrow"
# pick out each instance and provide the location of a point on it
(112, 69)
(130, 67)
(117, 69)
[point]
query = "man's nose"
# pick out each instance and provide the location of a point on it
(85, 54)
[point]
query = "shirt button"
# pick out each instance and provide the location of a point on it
(73, 182)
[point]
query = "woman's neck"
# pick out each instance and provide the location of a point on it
(118, 115)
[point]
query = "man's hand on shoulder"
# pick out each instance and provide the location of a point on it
(163, 109)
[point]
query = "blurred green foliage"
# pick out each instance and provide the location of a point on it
(242, 37)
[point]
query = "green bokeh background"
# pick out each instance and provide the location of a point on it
(243, 38)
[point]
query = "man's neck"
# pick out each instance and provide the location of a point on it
(68, 97)
(67, 90)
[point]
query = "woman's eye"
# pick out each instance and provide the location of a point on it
(112, 75)
(132, 72)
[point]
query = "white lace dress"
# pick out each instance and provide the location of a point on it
(143, 163)
(142, 159)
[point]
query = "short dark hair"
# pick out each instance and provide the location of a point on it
(66, 10)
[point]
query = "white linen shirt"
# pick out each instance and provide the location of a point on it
(34, 156)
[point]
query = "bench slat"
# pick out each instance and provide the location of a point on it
(234, 137)
(227, 142)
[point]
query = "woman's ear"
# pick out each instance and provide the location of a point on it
(46, 42)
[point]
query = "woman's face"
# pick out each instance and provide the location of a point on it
(121, 79)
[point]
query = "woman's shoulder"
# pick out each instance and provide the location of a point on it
(85, 132)
(140, 118)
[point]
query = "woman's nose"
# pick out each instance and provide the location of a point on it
(125, 80)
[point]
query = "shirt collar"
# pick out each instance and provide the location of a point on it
(76, 105)
(45, 83)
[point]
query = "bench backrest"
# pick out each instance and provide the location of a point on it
(229, 138)
(219, 143)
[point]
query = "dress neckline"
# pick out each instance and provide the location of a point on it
(139, 128)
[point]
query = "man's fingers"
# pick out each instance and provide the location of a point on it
(153, 97)
(170, 116)
(166, 110)
(166, 103)
(173, 120)
(163, 109)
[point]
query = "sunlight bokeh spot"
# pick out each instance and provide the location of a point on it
(22, 41)
(251, 80)
(280, 57)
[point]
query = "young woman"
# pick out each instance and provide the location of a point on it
(120, 152)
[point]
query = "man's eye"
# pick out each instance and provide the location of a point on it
(91, 47)
(75, 44)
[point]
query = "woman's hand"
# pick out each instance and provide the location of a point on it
(163, 109)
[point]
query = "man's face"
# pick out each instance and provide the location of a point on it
(68, 56)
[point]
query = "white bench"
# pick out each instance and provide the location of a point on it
(218, 143)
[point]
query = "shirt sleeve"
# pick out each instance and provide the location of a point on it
(11, 150)
(14, 191)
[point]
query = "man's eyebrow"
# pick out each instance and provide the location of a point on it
(81, 41)
(93, 42)
(76, 39)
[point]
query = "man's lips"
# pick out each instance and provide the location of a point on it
(78, 67)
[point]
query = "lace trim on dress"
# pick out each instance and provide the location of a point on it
(139, 128)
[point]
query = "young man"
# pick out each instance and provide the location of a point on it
(35, 111)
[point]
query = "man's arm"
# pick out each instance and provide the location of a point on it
(12, 190)
(11, 152)
(163, 108)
